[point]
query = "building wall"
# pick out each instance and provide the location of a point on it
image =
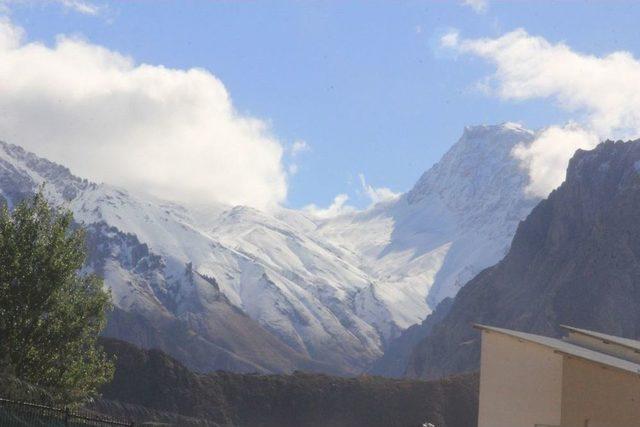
(606, 397)
(520, 383)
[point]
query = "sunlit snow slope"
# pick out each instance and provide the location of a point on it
(458, 219)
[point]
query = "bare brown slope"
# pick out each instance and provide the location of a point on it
(575, 260)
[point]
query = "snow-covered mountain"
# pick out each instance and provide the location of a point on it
(458, 219)
(237, 288)
(297, 288)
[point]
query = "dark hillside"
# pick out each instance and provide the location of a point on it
(157, 382)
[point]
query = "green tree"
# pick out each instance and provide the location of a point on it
(50, 312)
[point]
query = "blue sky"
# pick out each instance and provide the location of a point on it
(367, 85)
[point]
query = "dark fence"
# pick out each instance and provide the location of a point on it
(19, 414)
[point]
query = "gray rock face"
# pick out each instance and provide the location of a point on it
(575, 260)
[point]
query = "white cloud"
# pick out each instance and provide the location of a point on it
(299, 147)
(479, 6)
(171, 132)
(295, 150)
(601, 92)
(450, 39)
(547, 157)
(337, 207)
(80, 6)
(379, 194)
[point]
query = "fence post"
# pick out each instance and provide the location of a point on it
(66, 417)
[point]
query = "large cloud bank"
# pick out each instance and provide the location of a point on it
(173, 133)
(603, 94)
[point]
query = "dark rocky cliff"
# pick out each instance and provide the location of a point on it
(575, 260)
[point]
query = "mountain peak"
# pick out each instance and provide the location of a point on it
(479, 171)
(458, 219)
(475, 131)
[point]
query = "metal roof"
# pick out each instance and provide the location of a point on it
(565, 347)
(624, 342)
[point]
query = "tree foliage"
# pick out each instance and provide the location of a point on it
(50, 312)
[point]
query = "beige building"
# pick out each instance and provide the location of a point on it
(587, 379)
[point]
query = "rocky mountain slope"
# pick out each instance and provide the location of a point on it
(393, 363)
(458, 219)
(575, 260)
(150, 386)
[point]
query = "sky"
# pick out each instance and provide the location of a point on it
(327, 105)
